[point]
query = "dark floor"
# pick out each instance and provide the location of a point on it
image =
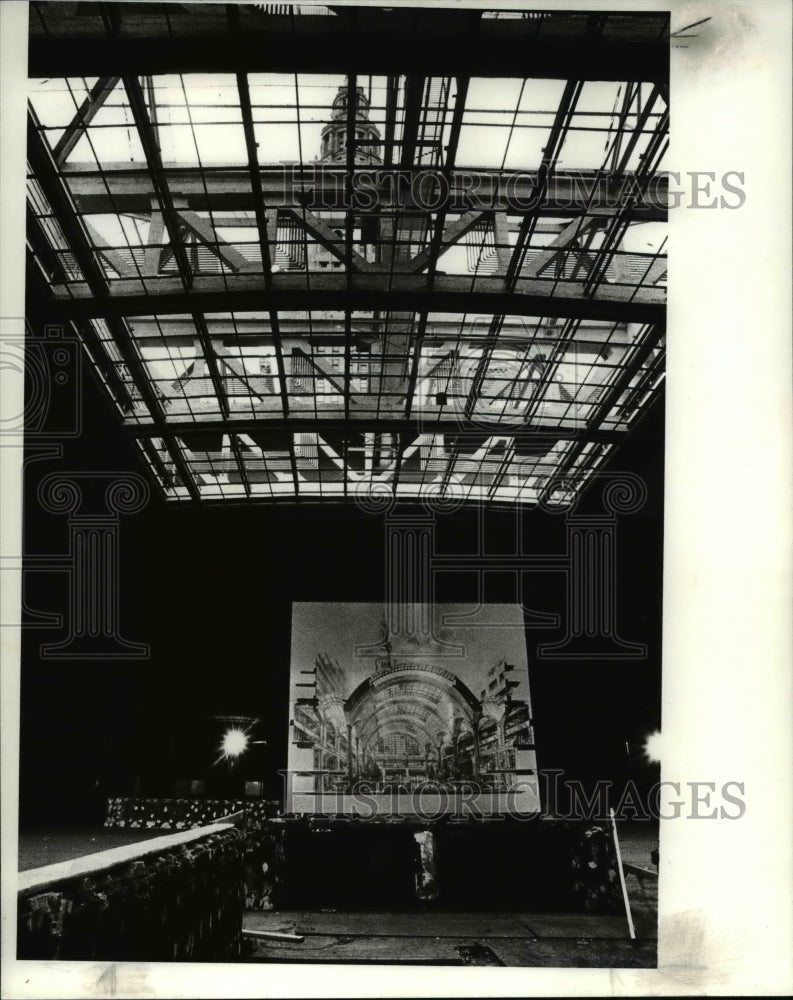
(442, 938)
(427, 937)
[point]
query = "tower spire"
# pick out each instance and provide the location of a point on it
(334, 135)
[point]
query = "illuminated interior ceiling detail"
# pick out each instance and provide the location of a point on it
(427, 704)
(306, 274)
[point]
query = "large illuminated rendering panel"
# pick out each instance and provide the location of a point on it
(431, 718)
(303, 285)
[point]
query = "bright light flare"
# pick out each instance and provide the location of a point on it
(235, 741)
(653, 747)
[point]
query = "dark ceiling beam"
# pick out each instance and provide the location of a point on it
(254, 177)
(349, 226)
(401, 293)
(488, 52)
(509, 457)
(445, 237)
(411, 117)
(551, 150)
(590, 336)
(321, 373)
(451, 154)
(153, 456)
(266, 221)
(123, 187)
(123, 267)
(567, 336)
(238, 459)
(47, 258)
(46, 174)
(606, 407)
(180, 464)
(203, 231)
(317, 229)
(620, 220)
(205, 342)
(566, 240)
(390, 119)
(145, 128)
(632, 369)
(421, 331)
(542, 437)
(440, 233)
(37, 303)
(75, 130)
(63, 210)
(515, 265)
(145, 123)
(637, 131)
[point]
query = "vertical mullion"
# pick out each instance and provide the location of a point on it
(178, 459)
(498, 478)
(451, 153)
(352, 105)
(157, 172)
(255, 176)
(637, 131)
(413, 378)
(352, 102)
(153, 457)
(235, 447)
(293, 463)
(347, 361)
(414, 93)
(211, 360)
(390, 120)
(564, 112)
(275, 329)
(566, 335)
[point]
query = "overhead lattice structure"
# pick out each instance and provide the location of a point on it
(319, 252)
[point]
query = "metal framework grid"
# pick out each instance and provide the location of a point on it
(320, 253)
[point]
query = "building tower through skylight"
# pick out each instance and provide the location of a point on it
(367, 134)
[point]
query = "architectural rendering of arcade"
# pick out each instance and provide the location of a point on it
(408, 724)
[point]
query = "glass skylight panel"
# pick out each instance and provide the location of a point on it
(116, 231)
(289, 113)
(110, 137)
(507, 122)
(126, 245)
(197, 118)
(56, 102)
(455, 468)
(401, 405)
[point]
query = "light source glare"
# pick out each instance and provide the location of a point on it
(653, 747)
(234, 742)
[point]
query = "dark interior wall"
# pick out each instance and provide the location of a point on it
(211, 590)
